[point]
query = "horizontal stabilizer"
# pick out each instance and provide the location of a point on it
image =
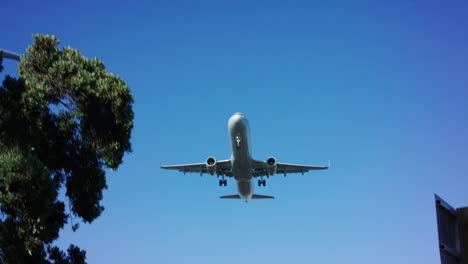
(258, 196)
(234, 196)
(254, 196)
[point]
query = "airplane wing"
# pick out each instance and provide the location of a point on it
(223, 167)
(284, 168)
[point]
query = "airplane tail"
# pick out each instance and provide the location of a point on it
(258, 196)
(234, 196)
(254, 196)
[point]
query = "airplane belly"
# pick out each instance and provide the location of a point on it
(242, 174)
(242, 167)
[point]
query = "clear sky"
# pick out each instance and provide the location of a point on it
(380, 88)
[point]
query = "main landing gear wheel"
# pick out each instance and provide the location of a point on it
(261, 182)
(222, 182)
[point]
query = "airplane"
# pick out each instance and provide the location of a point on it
(241, 166)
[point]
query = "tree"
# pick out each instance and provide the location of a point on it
(62, 122)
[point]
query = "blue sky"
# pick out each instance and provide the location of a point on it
(377, 87)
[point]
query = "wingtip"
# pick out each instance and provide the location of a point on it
(328, 164)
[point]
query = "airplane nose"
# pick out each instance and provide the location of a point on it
(236, 120)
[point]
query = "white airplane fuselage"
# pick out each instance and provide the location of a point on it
(241, 159)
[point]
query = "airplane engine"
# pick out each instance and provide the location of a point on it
(211, 165)
(271, 166)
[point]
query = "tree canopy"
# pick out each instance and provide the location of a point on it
(62, 123)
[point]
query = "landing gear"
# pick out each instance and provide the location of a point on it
(261, 182)
(222, 182)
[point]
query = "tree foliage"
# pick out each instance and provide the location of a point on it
(62, 122)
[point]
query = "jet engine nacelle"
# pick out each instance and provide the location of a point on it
(271, 166)
(211, 165)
